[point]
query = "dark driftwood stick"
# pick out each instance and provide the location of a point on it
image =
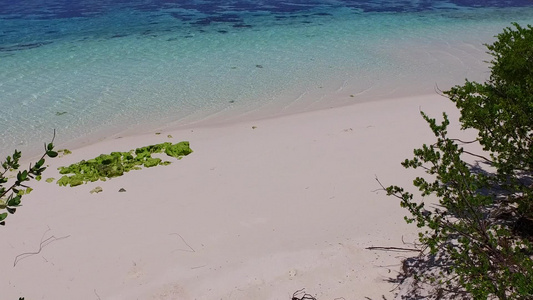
(393, 249)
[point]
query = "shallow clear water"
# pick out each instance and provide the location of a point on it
(102, 68)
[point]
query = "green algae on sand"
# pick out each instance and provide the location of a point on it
(117, 163)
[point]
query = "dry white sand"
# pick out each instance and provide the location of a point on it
(258, 211)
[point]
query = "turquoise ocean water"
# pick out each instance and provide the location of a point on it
(106, 68)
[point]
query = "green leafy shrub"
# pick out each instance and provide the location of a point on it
(11, 196)
(117, 163)
(480, 234)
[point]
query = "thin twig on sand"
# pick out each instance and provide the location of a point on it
(185, 242)
(42, 244)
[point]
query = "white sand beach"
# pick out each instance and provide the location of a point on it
(259, 210)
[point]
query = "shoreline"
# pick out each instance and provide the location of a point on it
(269, 111)
(250, 214)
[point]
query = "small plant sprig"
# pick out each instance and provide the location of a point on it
(11, 196)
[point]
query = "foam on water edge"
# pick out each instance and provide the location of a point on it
(131, 80)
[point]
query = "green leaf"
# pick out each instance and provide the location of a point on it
(22, 176)
(40, 163)
(11, 210)
(3, 216)
(25, 192)
(14, 201)
(50, 147)
(51, 154)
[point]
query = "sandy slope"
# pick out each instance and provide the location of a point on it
(251, 214)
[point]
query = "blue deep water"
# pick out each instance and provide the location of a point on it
(98, 68)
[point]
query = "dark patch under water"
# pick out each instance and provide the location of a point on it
(27, 24)
(19, 47)
(57, 9)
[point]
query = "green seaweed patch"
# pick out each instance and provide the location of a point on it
(65, 151)
(96, 190)
(117, 163)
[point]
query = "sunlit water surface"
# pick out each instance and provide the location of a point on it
(108, 68)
